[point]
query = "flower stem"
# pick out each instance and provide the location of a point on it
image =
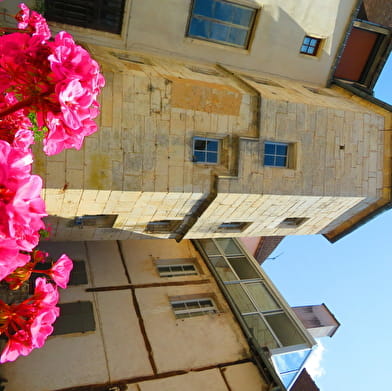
(17, 106)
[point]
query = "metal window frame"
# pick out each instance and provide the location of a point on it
(243, 283)
(193, 312)
(249, 28)
(176, 273)
(162, 226)
(283, 306)
(233, 226)
(218, 154)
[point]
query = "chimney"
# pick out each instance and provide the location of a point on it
(317, 319)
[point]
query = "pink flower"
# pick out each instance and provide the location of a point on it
(61, 271)
(41, 326)
(21, 205)
(33, 21)
(10, 257)
(45, 293)
(18, 344)
(28, 324)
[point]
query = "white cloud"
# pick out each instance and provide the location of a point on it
(314, 363)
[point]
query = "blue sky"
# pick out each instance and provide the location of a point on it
(353, 277)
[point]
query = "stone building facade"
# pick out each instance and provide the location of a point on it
(154, 317)
(141, 168)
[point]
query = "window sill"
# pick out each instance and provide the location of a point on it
(214, 45)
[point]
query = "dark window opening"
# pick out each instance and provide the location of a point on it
(78, 274)
(97, 221)
(162, 226)
(293, 222)
(93, 14)
(234, 226)
(75, 317)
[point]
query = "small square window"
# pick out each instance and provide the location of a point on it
(310, 45)
(162, 226)
(205, 150)
(292, 222)
(193, 307)
(222, 22)
(234, 226)
(276, 154)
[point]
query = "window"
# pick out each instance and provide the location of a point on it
(310, 45)
(75, 317)
(193, 307)
(222, 22)
(292, 222)
(266, 82)
(94, 14)
(131, 58)
(204, 71)
(78, 274)
(97, 221)
(162, 226)
(176, 267)
(276, 154)
(205, 150)
(234, 226)
(318, 91)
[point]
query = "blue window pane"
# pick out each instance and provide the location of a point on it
(238, 36)
(306, 41)
(313, 42)
(280, 161)
(281, 150)
(291, 361)
(212, 157)
(269, 160)
(304, 48)
(288, 378)
(199, 156)
(199, 28)
(269, 149)
(203, 7)
(212, 146)
(243, 16)
(219, 32)
(224, 11)
(200, 145)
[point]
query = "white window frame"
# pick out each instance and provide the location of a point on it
(176, 265)
(308, 48)
(275, 144)
(249, 29)
(192, 312)
(218, 153)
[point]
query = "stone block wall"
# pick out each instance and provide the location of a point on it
(139, 165)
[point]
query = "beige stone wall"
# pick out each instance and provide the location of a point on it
(138, 341)
(139, 164)
(275, 41)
